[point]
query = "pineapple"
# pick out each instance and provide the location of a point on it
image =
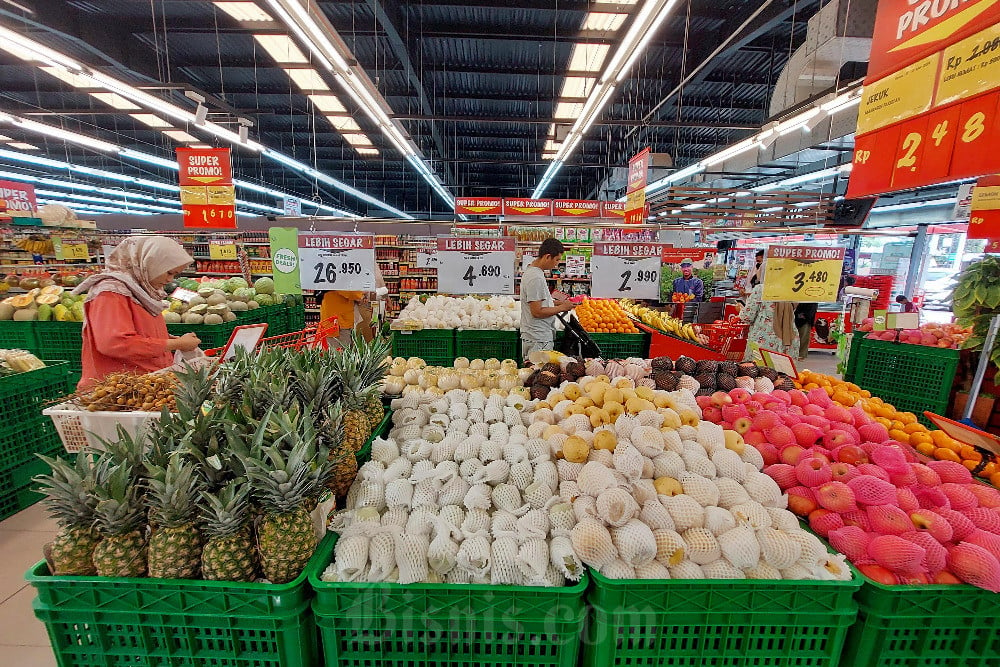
(356, 426)
(175, 542)
(285, 483)
(120, 518)
(71, 503)
(229, 553)
(362, 367)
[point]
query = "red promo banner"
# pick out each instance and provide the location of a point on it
(673, 255)
(635, 192)
(534, 207)
(478, 205)
(626, 249)
(17, 200)
(613, 209)
(208, 197)
(908, 30)
(576, 208)
(475, 244)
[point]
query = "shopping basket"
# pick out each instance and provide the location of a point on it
(729, 338)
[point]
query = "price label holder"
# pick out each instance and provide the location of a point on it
(182, 294)
(337, 261)
(475, 265)
(244, 337)
(222, 249)
(625, 270)
(803, 273)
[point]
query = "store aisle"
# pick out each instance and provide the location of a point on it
(820, 362)
(23, 641)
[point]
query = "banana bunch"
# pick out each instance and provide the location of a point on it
(36, 245)
(660, 320)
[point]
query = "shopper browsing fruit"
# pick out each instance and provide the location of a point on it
(538, 310)
(772, 324)
(689, 283)
(123, 327)
(341, 303)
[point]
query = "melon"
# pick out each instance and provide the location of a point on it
(229, 316)
(243, 294)
(196, 301)
(264, 286)
(237, 283)
(192, 318)
(212, 318)
(253, 305)
(26, 315)
(238, 306)
(199, 309)
(44, 313)
(22, 301)
(47, 299)
(264, 299)
(172, 317)
(217, 298)
(206, 292)
(53, 289)
(217, 310)
(6, 311)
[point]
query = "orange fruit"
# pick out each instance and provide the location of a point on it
(940, 437)
(915, 427)
(921, 438)
(926, 448)
(899, 436)
(970, 454)
(995, 479)
(907, 417)
(946, 455)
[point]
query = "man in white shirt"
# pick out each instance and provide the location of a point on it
(538, 311)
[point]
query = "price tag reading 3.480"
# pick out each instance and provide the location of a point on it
(626, 270)
(802, 273)
(337, 261)
(475, 265)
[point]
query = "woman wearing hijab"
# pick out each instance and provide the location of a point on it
(772, 324)
(123, 328)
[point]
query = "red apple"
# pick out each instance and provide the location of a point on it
(879, 574)
(721, 398)
(801, 501)
(791, 454)
(842, 472)
(851, 454)
(742, 425)
(767, 451)
(946, 577)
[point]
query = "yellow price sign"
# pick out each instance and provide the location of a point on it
(75, 249)
(802, 273)
(222, 250)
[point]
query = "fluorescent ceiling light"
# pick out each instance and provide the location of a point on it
(799, 121)
(307, 79)
(603, 21)
(5, 138)
(102, 200)
(647, 37)
(181, 136)
(675, 177)
(28, 49)
(151, 119)
(577, 86)
(588, 57)
(299, 19)
(23, 146)
(58, 133)
(732, 151)
(366, 151)
(244, 11)
(114, 100)
(282, 49)
(327, 103)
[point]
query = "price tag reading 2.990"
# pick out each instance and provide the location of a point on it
(475, 265)
(337, 261)
(802, 273)
(626, 270)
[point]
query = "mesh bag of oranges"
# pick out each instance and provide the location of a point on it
(903, 426)
(604, 316)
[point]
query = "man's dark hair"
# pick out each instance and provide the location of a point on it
(900, 299)
(760, 253)
(551, 246)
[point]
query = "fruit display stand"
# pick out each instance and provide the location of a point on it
(911, 377)
(663, 345)
(27, 432)
(18, 335)
(486, 344)
(435, 346)
(909, 626)
(385, 625)
(718, 622)
(622, 346)
(104, 621)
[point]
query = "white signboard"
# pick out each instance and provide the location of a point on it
(330, 261)
(576, 265)
(475, 265)
(625, 270)
(426, 260)
(293, 206)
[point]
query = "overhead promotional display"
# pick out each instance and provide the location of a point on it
(17, 200)
(285, 259)
(626, 270)
(635, 192)
(478, 206)
(208, 196)
(222, 250)
(475, 265)
(802, 273)
(329, 261)
(929, 108)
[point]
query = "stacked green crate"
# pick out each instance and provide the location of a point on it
(622, 346)
(435, 346)
(60, 340)
(26, 432)
(487, 344)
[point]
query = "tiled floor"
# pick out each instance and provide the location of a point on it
(23, 641)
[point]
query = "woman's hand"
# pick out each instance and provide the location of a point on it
(185, 343)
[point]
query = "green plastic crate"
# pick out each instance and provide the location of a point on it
(434, 346)
(448, 625)
(24, 395)
(19, 446)
(296, 318)
(13, 500)
(476, 344)
(18, 335)
(934, 625)
(922, 374)
(622, 346)
(112, 622)
(211, 335)
(58, 340)
(727, 623)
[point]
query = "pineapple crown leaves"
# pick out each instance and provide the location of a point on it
(119, 509)
(227, 511)
(282, 484)
(126, 449)
(173, 493)
(69, 488)
(194, 386)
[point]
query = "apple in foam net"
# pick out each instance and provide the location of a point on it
(720, 398)
(712, 414)
(740, 395)
(742, 425)
(801, 500)
(768, 452)
(842, 472)
(791, 454)
(851, 454)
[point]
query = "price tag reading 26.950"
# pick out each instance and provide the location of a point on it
(802, 273)
(337, 261)
(475, 265)
(626, 270)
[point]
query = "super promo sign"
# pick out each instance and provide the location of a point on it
(17, 199)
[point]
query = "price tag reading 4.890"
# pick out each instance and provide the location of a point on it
(337, 261)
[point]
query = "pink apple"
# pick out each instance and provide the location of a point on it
(767, 451)
(740, 395)
(720, 398)
(711, 413)
(843, 472)
(742, 425)
(791, 454)
(851, 454)
(801, 500)
(703, 401)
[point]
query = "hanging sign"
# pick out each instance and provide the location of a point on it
(635, 192)
(329, 261)
(285, 259)
(208, 197)
(17, 200)
(802, 273)
(576, 208)
(529, 207)
(478, 206)
(75, 249)
(292, 206)
(625, 270)
(984, 216)
(222, 250)
(475, 265)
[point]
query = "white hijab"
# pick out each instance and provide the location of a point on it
(132, 266)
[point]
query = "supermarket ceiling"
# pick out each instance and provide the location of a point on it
(406, 103)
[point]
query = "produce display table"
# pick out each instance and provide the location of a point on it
(434, 346)
(480, 344)
(662, 345)
(911, 377)
(27, 432)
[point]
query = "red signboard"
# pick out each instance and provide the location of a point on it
(576, 208)
(673, 255)
(478, 205)
(907, 30)
(929, 109)
(531, 207)
(17, 200)
(208, 197)
(613, 209)
(635, 192)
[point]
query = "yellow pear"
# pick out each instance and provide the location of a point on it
(645, 393)
(623, 383)
(667, 486)
(614, 410)
(551, 431)
(661, 400)
(734, 441)
(555, 397)
(635, 405)
(595, 390)
(575, 449)
(603, 378)
(689, 418)
(613, 395)
(585, 401)
(575, 409)
(543, 404)
(605, 440)
(670, 419)
(572, 391)
(628, 394)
